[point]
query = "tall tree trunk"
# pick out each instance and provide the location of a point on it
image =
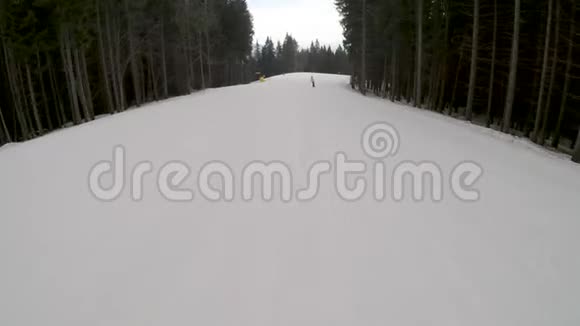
(473, 71)
(511, 89)
(418, 65)
(87, 82)
(16, 93)
(488, 119)
(164, 59)
(207, 44)
(533, 103)
(576, 155)
(394, 63)
(119, 67)
(410, 81)
(143, 80)
(33, 101)
(102, 55)
(542, 136)
(116, 70)
(136, 78)
(61, 115)
(24, 104)
(536, 133)
(556, 140)
(188, 49)
(435, 67)
(82, 94)
(68, 67)
(43, 91)
(153, 75)
(453, 105)
(443, 89)
(6, 138)
(3, 49)
(384, 87)
(201, 60)
(84, 80)
(363, 79)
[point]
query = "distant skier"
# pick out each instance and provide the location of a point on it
(312, 80)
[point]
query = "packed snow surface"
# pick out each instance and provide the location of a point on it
(66, 258)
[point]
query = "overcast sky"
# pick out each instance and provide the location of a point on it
(306, 20)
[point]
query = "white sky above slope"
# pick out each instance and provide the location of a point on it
(305, 20)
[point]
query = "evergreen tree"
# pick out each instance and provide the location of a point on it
(66, 61)
(289, 54)
(508, 65)
(288, 57)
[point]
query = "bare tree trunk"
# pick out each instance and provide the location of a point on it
(488, 119)
(116, 72)
(473, 71)
(419, 70)
(556, 140)
(136, 78)
(394, 64)
(454, 92)
(436, 66)
(188, 48)
(33, 101)
(435, 84)
(164, 59)
(207, 45)
(201, 60)
(82, 94)
(84, 77)
(24, 104)
(7, 137)
(242, 69)
(441, 100)
(68, 67)
(104, 67)
(533, 104)
(119, 67)
(152, 75)
(576, 155)
(43, 91)
(143, 81)
(61, 116)
(410, 81)
(363, 79)
(189, 62)
(542, 136)
(384, 83)
(511, 90)
(535, 135)
(109, 37)
(15, 90)
(16, 93)
(226, 72)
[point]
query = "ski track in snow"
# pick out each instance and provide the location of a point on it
(68, 259)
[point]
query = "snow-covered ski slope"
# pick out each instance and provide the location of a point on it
(66, 258)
